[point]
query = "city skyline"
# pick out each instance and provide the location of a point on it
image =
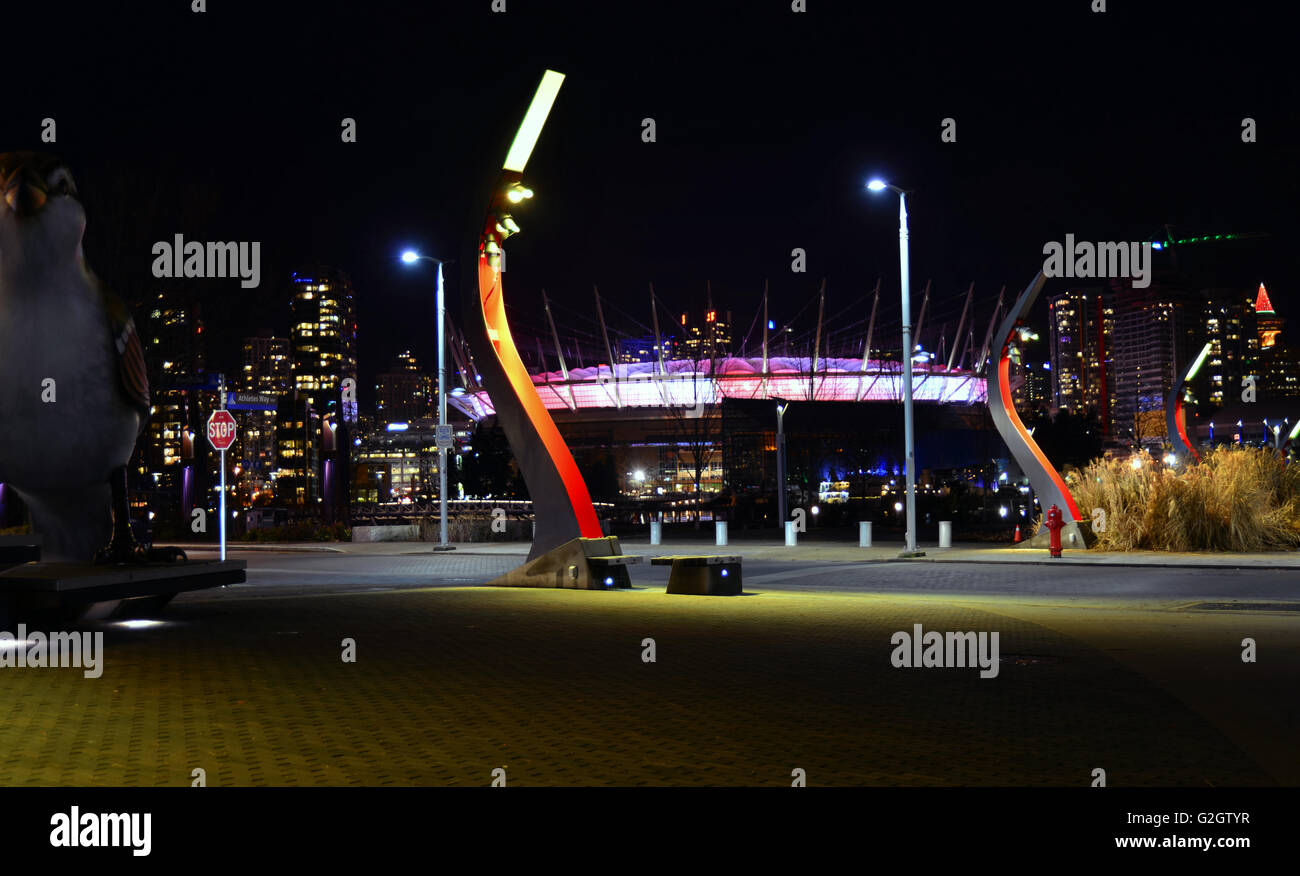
(714, 200)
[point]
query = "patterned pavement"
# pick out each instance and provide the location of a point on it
(453, 681)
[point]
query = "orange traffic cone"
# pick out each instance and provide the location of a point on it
(1017, 539)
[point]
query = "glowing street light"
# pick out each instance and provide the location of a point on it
(878, 185)
(410, 257)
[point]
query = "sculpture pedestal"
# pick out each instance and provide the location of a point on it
(579, 564)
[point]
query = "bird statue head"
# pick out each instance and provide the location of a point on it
(41, 218)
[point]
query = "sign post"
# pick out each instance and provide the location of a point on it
(221, 434)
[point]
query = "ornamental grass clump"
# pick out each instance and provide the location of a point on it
(1235, 499)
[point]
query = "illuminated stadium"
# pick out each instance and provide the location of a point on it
(686, 383)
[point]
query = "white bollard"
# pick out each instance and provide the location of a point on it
(791, 537)
(721, 531)
(945, 533)
(656, 532)
(864, 533)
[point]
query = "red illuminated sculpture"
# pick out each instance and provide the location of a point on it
(568, 547)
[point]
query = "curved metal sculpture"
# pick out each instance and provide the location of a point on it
(1046, 481)
(561, 502)
(1176, 416)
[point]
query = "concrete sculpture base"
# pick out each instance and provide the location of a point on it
(578, 564)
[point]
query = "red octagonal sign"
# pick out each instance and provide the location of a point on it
(221, 429)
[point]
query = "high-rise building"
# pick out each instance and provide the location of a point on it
(164, 468)
(1269, 323)
(323, 342)
(267, 367)
(298, 450)
(1082, 351)
(1229, 328)
(708, 339)
(265, 372)
(1156, 335)
(404, 393)
(1279, 361)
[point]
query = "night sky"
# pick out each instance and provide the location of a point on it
(225, 126)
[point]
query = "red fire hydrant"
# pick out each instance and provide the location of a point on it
(1054, 526)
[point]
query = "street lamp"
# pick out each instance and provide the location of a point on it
(780, 462)
(410, 257)
(877, 185)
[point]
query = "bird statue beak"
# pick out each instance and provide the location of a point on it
(24, 195)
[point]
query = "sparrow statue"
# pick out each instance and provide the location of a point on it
(74, 393)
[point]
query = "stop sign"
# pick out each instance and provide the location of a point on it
(221, 430)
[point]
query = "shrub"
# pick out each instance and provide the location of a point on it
(1235, 499)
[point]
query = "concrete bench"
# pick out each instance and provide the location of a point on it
(612, 570)
(702, 575)
(91, 592)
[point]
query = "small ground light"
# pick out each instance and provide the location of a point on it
(1136, 463)
(898, 506)
(1002, 511)
(815, 509)
(609, 582)
(724, 573)
(1170, 459)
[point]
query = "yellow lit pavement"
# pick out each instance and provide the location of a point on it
(451, 683)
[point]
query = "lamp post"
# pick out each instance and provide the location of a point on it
(410, 257)
(780, 463)
(877, 185)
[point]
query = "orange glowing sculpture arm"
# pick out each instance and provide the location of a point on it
(503, 344)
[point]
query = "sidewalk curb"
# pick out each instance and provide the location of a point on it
(1099, 564)
(284, 549)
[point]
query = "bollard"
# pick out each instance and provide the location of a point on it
(791, 538)
(722, 531)
(656, 532)
(864, 533)
(945, 533)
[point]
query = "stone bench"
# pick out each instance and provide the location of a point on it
(702, 575)
(612, 570)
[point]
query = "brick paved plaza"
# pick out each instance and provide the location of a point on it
(454, 680)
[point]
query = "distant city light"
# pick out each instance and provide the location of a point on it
(1002, 511)
(898, 506)
(398, 427)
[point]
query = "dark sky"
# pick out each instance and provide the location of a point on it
(225, 126)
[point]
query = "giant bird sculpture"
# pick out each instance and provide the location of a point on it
(74, 393)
